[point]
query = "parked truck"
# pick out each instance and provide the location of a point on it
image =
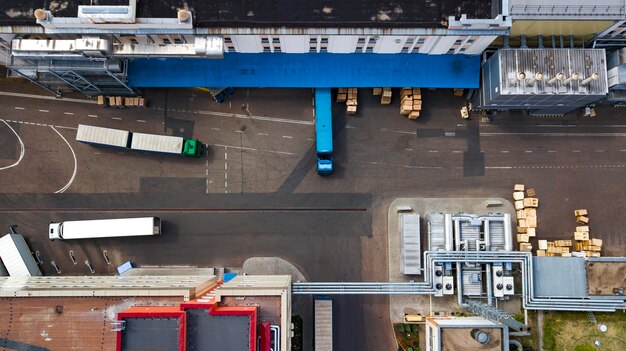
(105, 228)
(165, 144)
(17, 257)
(219, 94)
(323, 131)
(323, 324)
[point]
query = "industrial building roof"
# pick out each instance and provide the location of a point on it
(277, 13)
(559, 277)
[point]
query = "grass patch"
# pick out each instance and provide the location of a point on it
(565, 331)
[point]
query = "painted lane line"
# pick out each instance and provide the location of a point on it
(396, 131)
(45, 111)
(310, 139)
(253, 149)
(63, 127)
(215, 129)
(259, 118)
(69, 183)
(43, 97)
(502, 167)
(69, 113)
(287, 137)
(350, 127)
(141, 121)
(556, 134)
(433, 151)
(528, 151)
(551, 151)
(450, 134)
(457, 151)
(116, 118)
(622, 150)
(19, 108)
(556, 167)
(599, 151)
(407, 149)
(238, 131)
(575, 150)
(264, 134)
(22, 148)
(505, 151)
(93, 116)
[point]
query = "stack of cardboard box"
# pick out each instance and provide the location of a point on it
(586, 246)
(351, 101)
(458, 92)
(554, 248)
(411, 102)
(342, 95)
(385, 98)
(526, 209)
(119, 101)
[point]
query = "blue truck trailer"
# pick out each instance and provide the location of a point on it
(324, 131)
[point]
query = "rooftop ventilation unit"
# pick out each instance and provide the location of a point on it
(108, 14)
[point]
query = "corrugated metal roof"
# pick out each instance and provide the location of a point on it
(559, 277)
(309, 71)
(411, 249)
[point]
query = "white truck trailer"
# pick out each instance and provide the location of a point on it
(105, 228)
(323, 324)
(103, 136)
(164, 144)
(16, 256)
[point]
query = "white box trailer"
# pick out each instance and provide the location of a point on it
(16, 256)
(105, 228)
(157, 143)
(323, 324)
(103, 136)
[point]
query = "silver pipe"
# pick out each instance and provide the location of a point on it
(489, 284)
(448, 231)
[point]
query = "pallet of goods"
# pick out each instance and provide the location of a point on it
(584, 245)
(385, 98)
(411, 102)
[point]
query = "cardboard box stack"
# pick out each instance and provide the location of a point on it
(526, 209)
(385, 98)
(411, 102)
(119, 101)
(351, 101)
(458, 92)
(584, 245)
(377, 91)
(554, 248)
(342, 95)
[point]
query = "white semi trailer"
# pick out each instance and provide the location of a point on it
(105, 228)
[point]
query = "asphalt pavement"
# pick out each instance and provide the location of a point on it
(256, 193)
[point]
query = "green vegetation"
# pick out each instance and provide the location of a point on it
(407, 336)
(565, 331)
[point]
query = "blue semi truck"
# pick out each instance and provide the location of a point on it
(324, 131)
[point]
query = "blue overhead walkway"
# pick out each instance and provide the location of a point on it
(308, 71)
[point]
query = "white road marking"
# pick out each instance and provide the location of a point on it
(43, 97)
(557, 134)
(502, 167)
(556, 167)
(238, 131)
(19, 108)
(622, 150)
(450, 134)
(253, 149)
(260, 118)
(396, 165)
(62, 127)
(505, 151)
(215, 129)
(93, 116)
(528, 151)
(350, 127)
(116, 118)
(310, 139)
(225, 167)
(69, 183)
(22, 148)
(44, 111)
(141, 121)
(575, 150)
(433, 151)
(287, 137)
(599, 150)
(407, 149)
(265, 134)
(396, 131)
(456, 151)
(68, 113)
(551, 151)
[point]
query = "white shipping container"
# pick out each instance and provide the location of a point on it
(157, 143)
(102, 136)
(16, 256)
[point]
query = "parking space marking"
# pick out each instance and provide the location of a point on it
(69, 183)
(45, 111)
(19, 108)
(22, 148)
